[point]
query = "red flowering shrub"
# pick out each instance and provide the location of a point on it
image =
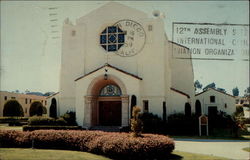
(114, 145)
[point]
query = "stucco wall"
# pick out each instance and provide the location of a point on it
(220, 101)
(176, 103)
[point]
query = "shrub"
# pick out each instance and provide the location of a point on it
(13, 118)
(136, 123)
(151, 123)
(39, 120)
(61, 122)
(239, 110)
(13, 108)
(43, 127)
(114, 145)
(179, 124)
(14, 121)
(44, 110)
(36, 108)
(70, 118)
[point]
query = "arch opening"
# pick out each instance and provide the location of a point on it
(104, 103)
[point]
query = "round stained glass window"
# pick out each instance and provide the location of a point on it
(112, 38)
(110, 90)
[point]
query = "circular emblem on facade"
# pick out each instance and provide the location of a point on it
(135, 38)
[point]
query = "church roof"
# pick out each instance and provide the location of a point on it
(185, 94)
(53, 95)
(110, 66)
(214, 90)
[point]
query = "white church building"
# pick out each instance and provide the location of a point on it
(116, 57)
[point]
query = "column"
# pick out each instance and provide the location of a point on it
(88, 111)
(125, 110)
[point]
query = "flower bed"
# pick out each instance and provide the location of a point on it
(113, 145)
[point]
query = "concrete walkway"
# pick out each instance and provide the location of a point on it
(222, 148)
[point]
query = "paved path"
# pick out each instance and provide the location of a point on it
(221, 148)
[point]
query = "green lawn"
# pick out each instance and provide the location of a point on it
(42, 154)
(18, 128)
(242, 137)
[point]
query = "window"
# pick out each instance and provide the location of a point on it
(42, 101)
(13, 97)
(5, 98)
(110, 90)
(212, 99)
(145, 106)
(25, 110)
(26, 100)
(225, 105)
(45, 103)
(30, 100)
(112, 38)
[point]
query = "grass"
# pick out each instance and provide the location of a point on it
(247, 149)
(18, 128)
(242, 137)
(42, 154)
(177, 155)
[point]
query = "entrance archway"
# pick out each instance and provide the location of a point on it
(109, 102)
(106, 103)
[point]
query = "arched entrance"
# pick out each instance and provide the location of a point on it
(106, 103)
(110, 106)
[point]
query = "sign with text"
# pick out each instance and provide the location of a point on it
(211, 41)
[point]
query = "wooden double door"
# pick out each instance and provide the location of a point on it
(110, 113)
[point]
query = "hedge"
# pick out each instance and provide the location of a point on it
(113, 145)
(39, 120)
(17, 121)
(13, 118)
(37, 108)
(32, 128)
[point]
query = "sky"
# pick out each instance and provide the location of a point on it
(31, 39)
